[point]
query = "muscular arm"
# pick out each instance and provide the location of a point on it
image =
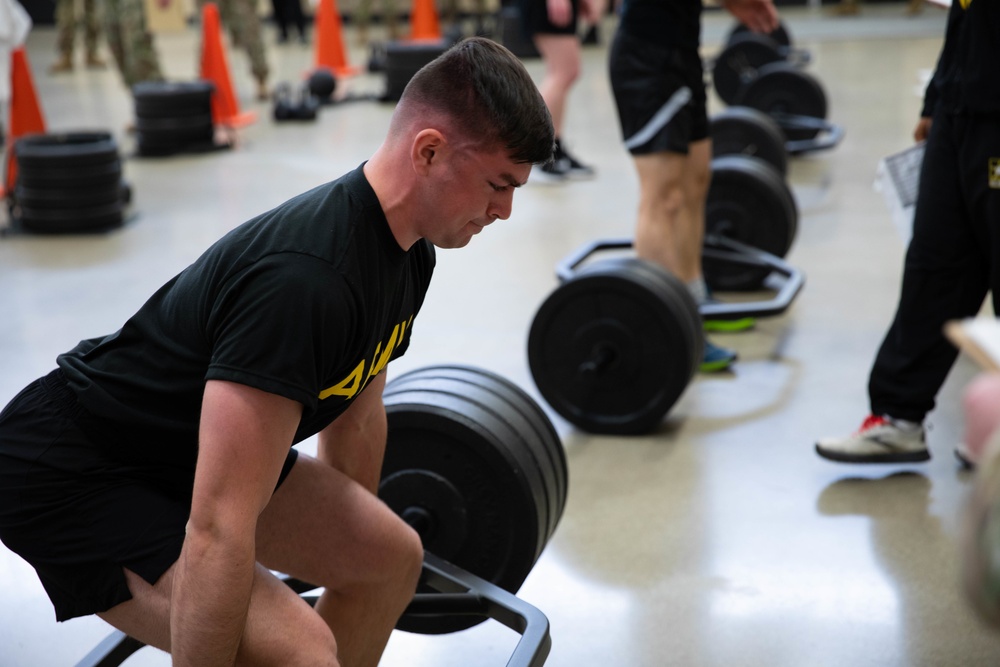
(244, 437)
(355, 442)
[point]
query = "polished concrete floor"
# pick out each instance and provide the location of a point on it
(720, 539)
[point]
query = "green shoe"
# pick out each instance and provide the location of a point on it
(742, 324)
(716, 358)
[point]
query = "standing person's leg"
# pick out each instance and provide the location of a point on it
(92, 32)
(946, 275)
(244, 25)
(140, 61)
(664, 233)
(298, 17)
(280, 19)
(561, 55)
(659, 111)
(66, 22)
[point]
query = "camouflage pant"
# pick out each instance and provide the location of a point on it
(130, 42)
(240, 16)
(66, 19)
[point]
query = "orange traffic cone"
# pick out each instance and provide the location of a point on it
(25, 111)
(424, 21)
(330, 51)
(215, 68)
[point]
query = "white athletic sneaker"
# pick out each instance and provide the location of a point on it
(880, 439)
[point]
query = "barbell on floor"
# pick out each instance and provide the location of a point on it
(614, 347)
(476, 467)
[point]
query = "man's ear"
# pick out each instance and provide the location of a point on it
(427, 149)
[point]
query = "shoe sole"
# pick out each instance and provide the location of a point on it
(715, 366)
(966, 462)
(729, 325)
(900, 457)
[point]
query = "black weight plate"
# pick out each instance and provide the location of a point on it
(740, 62)
(498, 430)
(783, 89)
(490, 464)
(532, 429)
(48, 198)
(746, 131)
(780, 35)
(65, 150)
(607, 351)
(96, 176)
(749, 202)
(683, 308)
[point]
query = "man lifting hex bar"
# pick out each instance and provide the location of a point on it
(149, 479)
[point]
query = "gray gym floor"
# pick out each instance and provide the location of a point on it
(721, 539)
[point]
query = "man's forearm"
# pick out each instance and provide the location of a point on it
(211, 595)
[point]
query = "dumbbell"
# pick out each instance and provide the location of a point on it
(473, 463)
(614, 347)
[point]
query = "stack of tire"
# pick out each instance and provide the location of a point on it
(173, 117)
(68, 183)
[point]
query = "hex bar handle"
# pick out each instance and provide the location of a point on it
(460, 593)
(834, 134)
(567, 267)
(791, 280)
(729, 250)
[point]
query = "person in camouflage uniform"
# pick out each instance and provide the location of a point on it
(66, 20)
(241, 17)
(130, 41)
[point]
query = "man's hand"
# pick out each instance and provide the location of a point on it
(758, 15)
(922, 129)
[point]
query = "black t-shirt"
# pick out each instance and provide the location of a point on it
(967, 77)
(671, 23)
(308, 301)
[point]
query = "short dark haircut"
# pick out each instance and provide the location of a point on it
(490, 96)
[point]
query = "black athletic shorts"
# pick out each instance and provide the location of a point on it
(535, 19)
(660, 95)
(77, 511)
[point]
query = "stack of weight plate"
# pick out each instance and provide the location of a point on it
(173, 117)
(69, 182)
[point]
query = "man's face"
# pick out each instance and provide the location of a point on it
(476, 188)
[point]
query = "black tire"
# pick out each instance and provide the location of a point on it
(94, 219)
(60, 178)
(62, 199)
(65, 150)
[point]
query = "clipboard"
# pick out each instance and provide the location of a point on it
(978, 337)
